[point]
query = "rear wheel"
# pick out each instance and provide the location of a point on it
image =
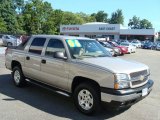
(9, 44)
(18, 77)
(122, 54)
(87, 98)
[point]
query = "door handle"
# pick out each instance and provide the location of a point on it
(27, 58)
(43, 61)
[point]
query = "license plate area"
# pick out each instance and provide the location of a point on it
(144, 91)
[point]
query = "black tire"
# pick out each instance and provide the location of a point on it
(20, 82)
(95, 93)
(122, 54)
(9, 44)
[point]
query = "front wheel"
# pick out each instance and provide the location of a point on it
(87, 98)
(18, 77)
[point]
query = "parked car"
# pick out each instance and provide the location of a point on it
(148, 45)
(142, 44)
(120, 41)
(158, 46)
(1, 42)
(10, 40)
(109, 49)
(123, 50)
(116, 51)
(131, 48)
(137, 44)
(154, 46)
(80, 68)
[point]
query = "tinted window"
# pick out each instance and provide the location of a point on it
(124, 44)
(86, 48)
(53, 46)
(37, 45)
(7, 37)
(23, 44)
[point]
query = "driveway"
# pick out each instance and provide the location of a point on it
(2, 50)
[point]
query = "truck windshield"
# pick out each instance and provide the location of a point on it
(86, 48)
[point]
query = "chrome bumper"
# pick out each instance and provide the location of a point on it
(126, 94)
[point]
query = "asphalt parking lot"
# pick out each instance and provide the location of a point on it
(36, 103)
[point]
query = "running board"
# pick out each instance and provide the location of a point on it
(59, 91)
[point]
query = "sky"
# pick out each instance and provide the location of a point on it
(144, 9)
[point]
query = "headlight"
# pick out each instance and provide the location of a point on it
(123, 49)
(121, 81)
(116, 49)
(121, 76)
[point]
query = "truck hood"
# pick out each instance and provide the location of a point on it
(116, 65)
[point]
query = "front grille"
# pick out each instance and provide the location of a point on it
(139, 82)
(139, 73)
(137, 78)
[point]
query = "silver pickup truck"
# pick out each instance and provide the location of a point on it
(81, 68)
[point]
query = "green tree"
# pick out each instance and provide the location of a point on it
(57, 18)
(19, 5)
(100, 16)
(8, 13)
(20, 22)
(117, 17)
(134, 23)
(36, 14)
(86, 18)
(49, 26)
(70, 18)
(3, 28)
(145, 24)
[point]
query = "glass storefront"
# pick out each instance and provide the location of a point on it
(138, 37)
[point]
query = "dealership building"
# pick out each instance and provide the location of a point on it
(112, 31)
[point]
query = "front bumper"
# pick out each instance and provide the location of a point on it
(158, 48)
(125, 97)
(124, 51)
(147, 47)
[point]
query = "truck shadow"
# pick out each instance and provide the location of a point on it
(46, 100)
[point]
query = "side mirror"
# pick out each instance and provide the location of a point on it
(59, 55)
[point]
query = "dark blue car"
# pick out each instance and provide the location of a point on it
(148, 45)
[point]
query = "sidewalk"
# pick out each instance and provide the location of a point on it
(2, 50)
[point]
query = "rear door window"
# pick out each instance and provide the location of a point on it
(37, 45)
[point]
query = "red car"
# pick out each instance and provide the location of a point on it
(124, 50)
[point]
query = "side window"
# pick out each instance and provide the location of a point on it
(37, 45)
(7, 37)
(54, 45)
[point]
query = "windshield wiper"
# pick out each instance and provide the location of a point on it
(89, 55)
(102, 56)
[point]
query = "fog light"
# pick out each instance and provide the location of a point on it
(116, 86)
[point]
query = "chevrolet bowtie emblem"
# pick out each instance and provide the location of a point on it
(141, 78)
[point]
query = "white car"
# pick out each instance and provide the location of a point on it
(137, 44)
(10, 40)
(110, 50)
(131, 48)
